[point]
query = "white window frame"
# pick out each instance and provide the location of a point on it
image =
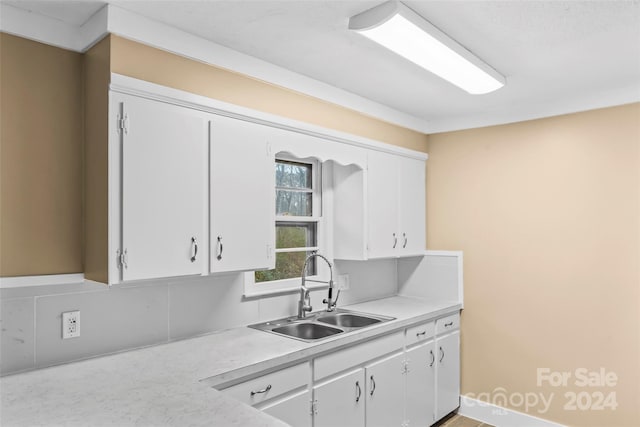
(253, 289)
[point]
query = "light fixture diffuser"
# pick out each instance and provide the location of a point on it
(401, 30)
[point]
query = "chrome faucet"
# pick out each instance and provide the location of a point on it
(304, 304)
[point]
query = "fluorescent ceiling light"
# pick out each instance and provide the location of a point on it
(400, 29)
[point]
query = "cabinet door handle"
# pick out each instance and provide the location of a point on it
(264, 390)
(395, 240)
(423, 333)
(446, 325)
(404, 245)
(373, 386)
(433, 358)
(194, 245)
(220, 248)
(441, 354)
(358, 391)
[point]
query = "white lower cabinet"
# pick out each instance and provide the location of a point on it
(285, 394)
(340, 401)
(421, 382)
(405, 379)
(293, 410)
(385, 385)
(448, 373)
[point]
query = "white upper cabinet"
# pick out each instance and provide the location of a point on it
(383, 204)
(411, 207)
(242, 196)
(163, 184)
(393, 200)
(396, 206)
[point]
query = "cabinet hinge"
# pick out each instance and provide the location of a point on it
(122, 123)
(268, 149)
(122, 259)
(314, 407)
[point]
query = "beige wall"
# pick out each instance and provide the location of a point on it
(41, 159)
(146, 63)
(547, 213)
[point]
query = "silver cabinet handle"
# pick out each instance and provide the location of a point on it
(442, 354)
(423, 333)
(373, 386)
(220, 248)
(264, 390)
(395, 240)
(404, 245)
(433, 358)
(358, 391)
(194, 244)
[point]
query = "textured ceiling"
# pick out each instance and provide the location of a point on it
(550, 51)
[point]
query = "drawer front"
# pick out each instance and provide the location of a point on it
(449, 323)
(271, 385)
(357, 355)
(420, 333)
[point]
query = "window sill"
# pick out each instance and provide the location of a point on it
(251, 294)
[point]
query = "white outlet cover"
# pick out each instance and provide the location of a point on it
(70, 324)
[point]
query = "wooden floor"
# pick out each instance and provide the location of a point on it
(456, 420)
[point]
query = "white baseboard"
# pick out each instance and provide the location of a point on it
(499, 416)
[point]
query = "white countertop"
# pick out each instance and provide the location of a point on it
(170, 384)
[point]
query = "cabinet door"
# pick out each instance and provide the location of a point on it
(294, 410)
(164, 172)
(242, 196)
(341, 401)
(412, 207)
(447, 374)
(420, 399)
(383, 204)
(385, 392)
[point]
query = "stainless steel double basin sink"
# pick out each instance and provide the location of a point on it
(319, 325)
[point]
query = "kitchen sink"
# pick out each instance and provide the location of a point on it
(348, 320)
(321, 325)
(307, 331)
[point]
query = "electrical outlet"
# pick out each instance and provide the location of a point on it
(343, 282)
(70, 324)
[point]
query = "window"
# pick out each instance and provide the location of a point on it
(297, 227)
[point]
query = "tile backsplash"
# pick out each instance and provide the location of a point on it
(132, 316)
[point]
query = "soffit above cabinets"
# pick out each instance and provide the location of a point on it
(557, 56)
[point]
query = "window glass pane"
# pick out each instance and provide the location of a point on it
(288, 265)
(295, 235)
(293, 175)
(293, 203)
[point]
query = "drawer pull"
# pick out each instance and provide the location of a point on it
(194, 244)
(220, 248)
(373, 386)
(446, 325)
(423, 333)
(264, 390)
